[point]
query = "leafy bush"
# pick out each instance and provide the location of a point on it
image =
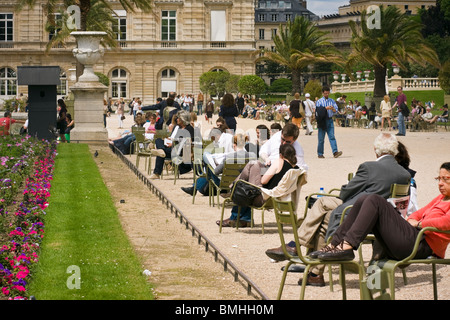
(252, 85)
(314, 88)
(281, 85)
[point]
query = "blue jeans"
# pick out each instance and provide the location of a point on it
(401, 124)
(245, 215)
(199, 108)
(321, 137)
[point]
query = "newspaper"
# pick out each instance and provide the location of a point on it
(401, 204)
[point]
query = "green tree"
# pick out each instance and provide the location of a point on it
(214, 82)
(314, 88)
(398, 40)
(232, 84)
(252, 85)
(444, 77)
(281, 85)
(299, 44)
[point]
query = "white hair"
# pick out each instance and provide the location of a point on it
(386, 143)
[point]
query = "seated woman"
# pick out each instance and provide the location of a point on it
(269, 180)
(123, 143)
(372, 213)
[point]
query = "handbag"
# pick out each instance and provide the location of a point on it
(244, 193)
(122, 118)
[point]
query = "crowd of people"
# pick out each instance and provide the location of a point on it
(277, 150)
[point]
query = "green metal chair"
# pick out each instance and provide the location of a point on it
(286, 217)
(230, 172)
(374, 286)
(140, 148)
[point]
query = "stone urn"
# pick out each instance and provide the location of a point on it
(88, 91)
(343, 75)
(336, 76)
(88, 52)
(358, 75)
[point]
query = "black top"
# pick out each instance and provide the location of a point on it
(273, 182)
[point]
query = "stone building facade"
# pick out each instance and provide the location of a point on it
(161, 51)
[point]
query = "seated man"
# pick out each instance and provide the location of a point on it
(372, 177)
(239, 141)
(428, 116)
(444, 116)
(164, 147)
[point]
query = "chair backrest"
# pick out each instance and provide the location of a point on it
(139, 133)
(399, 190)
(231, 171)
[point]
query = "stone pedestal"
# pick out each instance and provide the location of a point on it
(88, 92)
(88, 107)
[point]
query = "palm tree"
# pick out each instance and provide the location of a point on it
(299, 45)
(398, 40)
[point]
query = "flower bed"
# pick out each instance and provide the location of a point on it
(26, 172)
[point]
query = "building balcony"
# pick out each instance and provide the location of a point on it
(136, 45)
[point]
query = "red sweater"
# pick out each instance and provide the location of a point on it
(435, 214)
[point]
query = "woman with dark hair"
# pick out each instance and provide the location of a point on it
(61, 123)
(252, 173)
(229, 111)
(372, 213)
(294, 110)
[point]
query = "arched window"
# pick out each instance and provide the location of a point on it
(168, 82)
(8, 82)
(119, 83)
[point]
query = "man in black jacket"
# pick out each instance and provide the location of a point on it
(161, 106)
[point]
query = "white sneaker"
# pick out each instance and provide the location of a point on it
(158, 153)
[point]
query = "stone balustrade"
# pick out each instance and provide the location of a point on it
(392, 84)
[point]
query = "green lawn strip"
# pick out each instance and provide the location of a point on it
(83, 232)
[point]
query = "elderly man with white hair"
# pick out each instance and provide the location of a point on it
(372, 177)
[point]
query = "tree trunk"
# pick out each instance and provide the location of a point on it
(296, 81)
(379, 89)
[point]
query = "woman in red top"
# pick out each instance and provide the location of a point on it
(373, 213)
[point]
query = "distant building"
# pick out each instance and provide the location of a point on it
(270, 15)
(337, 23)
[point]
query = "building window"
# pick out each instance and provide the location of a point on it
(8, 82)
(274, 33)
(288, 17)
(261, 34)
(261, 51)
(168, 25)
(218, 25)
(168, 82)
(261, 17)
(119, 25)
(6, 27)
(119, 83)
(55, 27)
(61, 89)
(274, 17)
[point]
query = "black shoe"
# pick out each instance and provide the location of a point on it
(337, 254)
(399, 134)
(189, 190)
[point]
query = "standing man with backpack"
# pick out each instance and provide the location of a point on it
(325, 109)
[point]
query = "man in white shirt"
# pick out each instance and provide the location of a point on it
(271, 149)
(309, 112)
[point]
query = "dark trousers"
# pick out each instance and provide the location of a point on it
(159, 161)
(373, 214)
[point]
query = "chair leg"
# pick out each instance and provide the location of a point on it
(330, 278)
(283, 280)
(238, 217)
(221, 217)
(435, 292)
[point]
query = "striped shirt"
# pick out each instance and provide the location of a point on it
(322, 102)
